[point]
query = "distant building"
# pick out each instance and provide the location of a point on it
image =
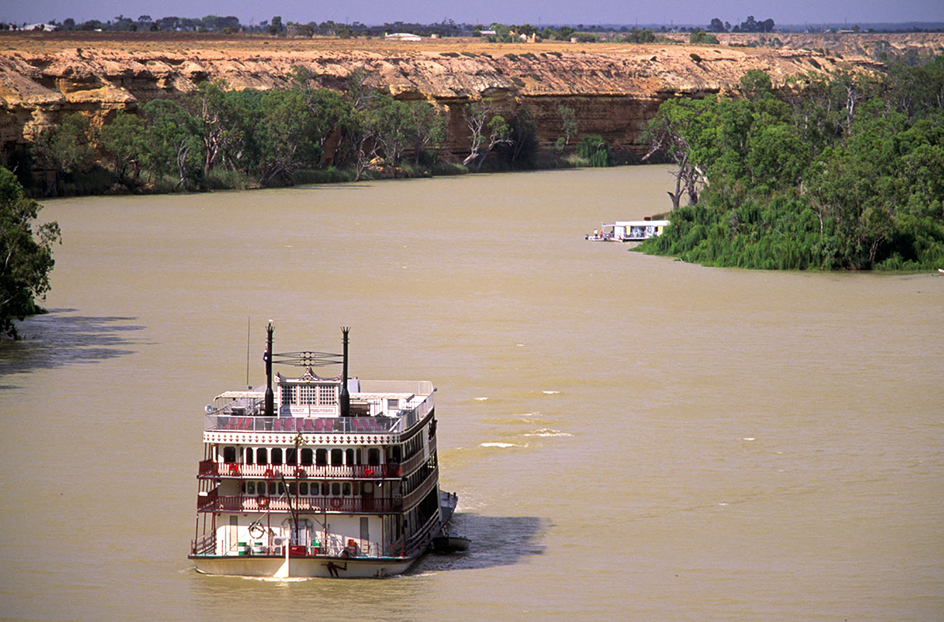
(402, 36)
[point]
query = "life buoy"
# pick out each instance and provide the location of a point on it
(336, 503)
(256, 530)
(263, 501)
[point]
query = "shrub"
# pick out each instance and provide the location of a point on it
(595, 150)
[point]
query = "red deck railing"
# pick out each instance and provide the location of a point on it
(309, 505)
(211, 469)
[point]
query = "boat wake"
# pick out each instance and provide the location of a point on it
(547, 432)
(502, 445)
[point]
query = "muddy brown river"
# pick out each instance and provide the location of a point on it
(631, 437)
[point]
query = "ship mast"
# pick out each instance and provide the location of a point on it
(344, 398)
(269, 396)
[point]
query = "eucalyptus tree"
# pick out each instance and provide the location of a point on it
(487, 131)
(120, 141)
(169, 138)
(25, 255)
(65, 148)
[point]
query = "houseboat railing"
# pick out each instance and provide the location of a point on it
(307, 505)
(417, 495)
(337, 546)
(224, 422)
(208, 468)
(211, 469)
(204, 545)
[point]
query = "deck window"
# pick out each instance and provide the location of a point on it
(291, 456)
(337, 457)
(303, 488)
(307, 455)
(288, 395)
(250, 455)
(272, 489)
(373, 456)
(349, 456)
(229, 454)
(336, 489)
(327, 395)
(307, 394)
(346, 489)
(262, 456)
(250, 488)
(276, 456)
(321, 457)
(313, 489)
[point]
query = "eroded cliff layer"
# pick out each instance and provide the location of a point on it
(614, 88)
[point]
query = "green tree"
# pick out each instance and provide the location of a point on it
(285, 136)
(756, 83)
(568, 126)
(686, 130)
(394, 126)
(25, 257)
(716, 25)
(328, 108)
(65, 149)
(427, 129)
(699, 36)
(595, 150)
(487, 131)
(214, 121)
(363, 125)
(169, 139)
(640, 36)
(523, 146)
(120, 141)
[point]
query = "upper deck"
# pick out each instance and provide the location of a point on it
(310, 405)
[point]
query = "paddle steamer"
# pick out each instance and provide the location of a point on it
(318, 476)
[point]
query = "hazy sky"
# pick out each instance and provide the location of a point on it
(588, 12)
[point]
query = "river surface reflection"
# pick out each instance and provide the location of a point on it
(631, 437)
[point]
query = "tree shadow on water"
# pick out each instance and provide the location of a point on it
(58, 338)
(496, 541)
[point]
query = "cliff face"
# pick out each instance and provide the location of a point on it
(614, 89)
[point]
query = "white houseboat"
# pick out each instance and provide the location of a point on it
(639, 230)
(319, 476)
(628, 230)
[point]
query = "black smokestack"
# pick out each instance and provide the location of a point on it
(345, 397)
(269, 406)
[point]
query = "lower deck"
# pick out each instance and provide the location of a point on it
(290, 566)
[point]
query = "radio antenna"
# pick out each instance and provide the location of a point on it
(248, 335)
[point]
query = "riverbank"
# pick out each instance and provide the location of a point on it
(102, 182)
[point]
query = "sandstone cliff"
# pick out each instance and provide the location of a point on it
(614, 88)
